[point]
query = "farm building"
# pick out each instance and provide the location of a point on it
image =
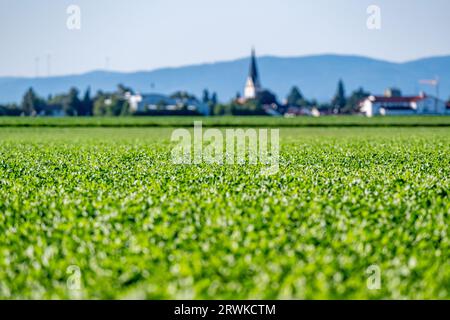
(398, 105)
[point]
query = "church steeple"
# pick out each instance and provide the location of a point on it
(253, 85)
(253, 74)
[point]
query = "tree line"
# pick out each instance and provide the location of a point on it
(116, 103)
(101, 104)
(71, 104)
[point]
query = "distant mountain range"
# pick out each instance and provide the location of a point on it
(316, 76)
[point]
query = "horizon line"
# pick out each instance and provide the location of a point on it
(225, 61)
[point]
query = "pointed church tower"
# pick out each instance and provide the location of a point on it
(253, 85)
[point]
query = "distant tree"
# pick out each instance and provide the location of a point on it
(116, 105)
(30, 103)
(100, 107)
(161, 105)
(110, 104)
(217, 110)
(212, 103)
(122, 90)
(183, 95)
(250, 107)
(205, 98)
(325, 107)
(339, 101)
(87, 103)
(266, 97)
(352, 104)
(71, 103)
(56, 99)
(222, 109)
(125, 111)
(214, 99)
(10, 110)
(238, 95)
(294, 97)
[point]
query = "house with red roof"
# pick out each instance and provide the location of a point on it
(403, 105)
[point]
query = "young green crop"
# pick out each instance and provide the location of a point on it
(110, 202)
(228, 121)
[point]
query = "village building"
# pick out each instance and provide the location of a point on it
(396, 104)
(142, 103)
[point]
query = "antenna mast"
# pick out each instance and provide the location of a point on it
(434, 83)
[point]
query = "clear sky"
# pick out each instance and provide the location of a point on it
(129, 35)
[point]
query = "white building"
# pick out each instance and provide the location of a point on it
(153, 102)
(415, 105)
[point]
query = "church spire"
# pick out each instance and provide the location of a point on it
(253, 85)
(253, 73)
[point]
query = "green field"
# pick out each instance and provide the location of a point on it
(110, 202)
(260, 121)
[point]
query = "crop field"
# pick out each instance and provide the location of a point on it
(110, 203)
(229, 121)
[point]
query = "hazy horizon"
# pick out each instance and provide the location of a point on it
(225, 61)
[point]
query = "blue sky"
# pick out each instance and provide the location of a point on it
(147, 34)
